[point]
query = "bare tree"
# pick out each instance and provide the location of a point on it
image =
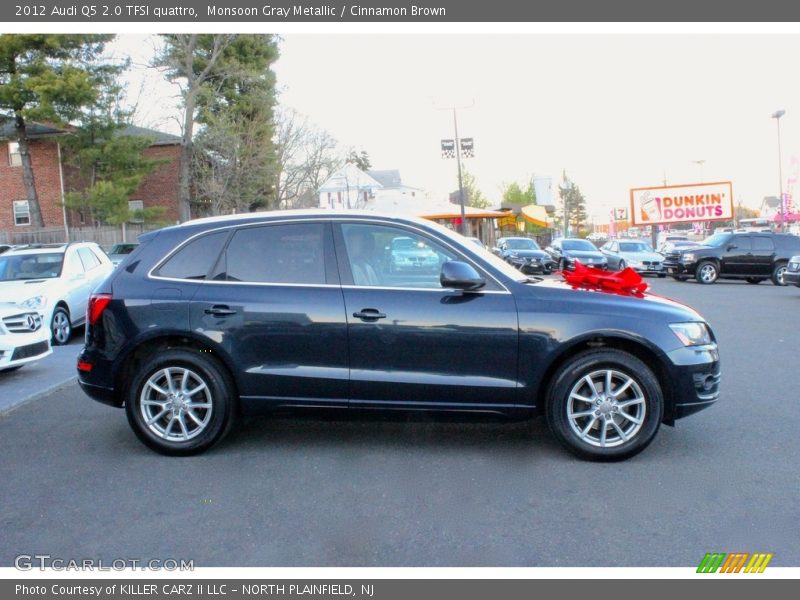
(190, 59)
(307, 156)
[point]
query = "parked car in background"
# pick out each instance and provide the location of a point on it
(526, 255)
(792, 274)
(566, 251)
(636, 254)
(119, 251)
(754, 257)
(498, 243)
(24, 337)
(4, 247)
(669, 236)
(54, 280)
(412, 255)
(478, 242)
(678, 245)
(226, 315)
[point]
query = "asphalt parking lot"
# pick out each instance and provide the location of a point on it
(356, 492)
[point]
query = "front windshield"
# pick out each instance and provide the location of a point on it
(521, 244)
(579, 245)
(634, 247)
(18, 267)
(716, 240)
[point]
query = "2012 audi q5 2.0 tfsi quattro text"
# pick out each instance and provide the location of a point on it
(220, 316)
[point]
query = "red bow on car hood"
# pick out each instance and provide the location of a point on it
(626, 282)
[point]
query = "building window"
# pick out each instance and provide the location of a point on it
(14, 156)
(22, 212)
(136, 207)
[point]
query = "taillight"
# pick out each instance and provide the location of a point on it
(97, 304)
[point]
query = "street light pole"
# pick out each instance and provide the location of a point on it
(777, 116)
(700, 163)
(458, 160)
(460, 179)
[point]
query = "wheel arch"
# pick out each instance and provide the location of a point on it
(146, 348)
(637, 347)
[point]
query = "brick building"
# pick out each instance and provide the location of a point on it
(53, 178)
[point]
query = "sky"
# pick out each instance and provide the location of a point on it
(613, 111)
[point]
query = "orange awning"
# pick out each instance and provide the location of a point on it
(535, 214)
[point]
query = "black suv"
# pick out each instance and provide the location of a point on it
(304, 309)
(754, 257)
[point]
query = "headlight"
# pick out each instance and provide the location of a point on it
(688, 257)
(635, 263)
(35, 303)
(692, 334)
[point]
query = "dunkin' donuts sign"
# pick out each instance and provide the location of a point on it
(682, 203)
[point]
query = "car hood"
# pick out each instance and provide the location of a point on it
(583, 254)
(12, 292)
(589, 298)
(529, 253)
(640, 256)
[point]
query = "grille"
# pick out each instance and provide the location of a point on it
(23, 323)
(654, 264)
(673, 256)
(29, 351)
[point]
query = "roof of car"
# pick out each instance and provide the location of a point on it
(44, 248)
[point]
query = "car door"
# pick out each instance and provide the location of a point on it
(78, 284)
(414, 344)
(274, 304)
(763, 255)
(611, 252)
(737, 258)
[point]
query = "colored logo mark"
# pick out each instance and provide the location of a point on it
(735, 562)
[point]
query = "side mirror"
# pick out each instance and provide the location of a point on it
(461, 276)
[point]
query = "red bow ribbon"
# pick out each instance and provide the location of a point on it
(627, 282)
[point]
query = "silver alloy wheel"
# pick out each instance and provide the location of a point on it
(61, 327)
(708, 273)
(606, 408)
(176, 404)
(781, 271)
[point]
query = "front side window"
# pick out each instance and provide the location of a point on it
(22, 212)
(195, 259)
(284, 253)
(382, 256)
(14, 156)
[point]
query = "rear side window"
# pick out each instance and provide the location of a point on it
(89, 260)
(195, 259)
(763, 243)
(286, 253)
(742, 242)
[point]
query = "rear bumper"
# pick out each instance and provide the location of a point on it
(98, 382)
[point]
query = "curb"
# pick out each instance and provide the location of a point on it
(5, 411)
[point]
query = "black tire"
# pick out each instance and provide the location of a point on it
(60, 327)
(662, 275)
(568, 381)
(707, 272)
(621, 265)
(562, 265)
(12, 369)
(219, 395)
(777, 274)
(680, 277)
(754, 280)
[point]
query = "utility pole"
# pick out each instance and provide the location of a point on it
(777, 116)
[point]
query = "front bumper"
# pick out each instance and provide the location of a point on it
(17, 349)
(695, 378)
(679, 268)
(791, 278)
(530, 265)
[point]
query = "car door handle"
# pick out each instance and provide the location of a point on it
(220, 310)
(369, 314)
